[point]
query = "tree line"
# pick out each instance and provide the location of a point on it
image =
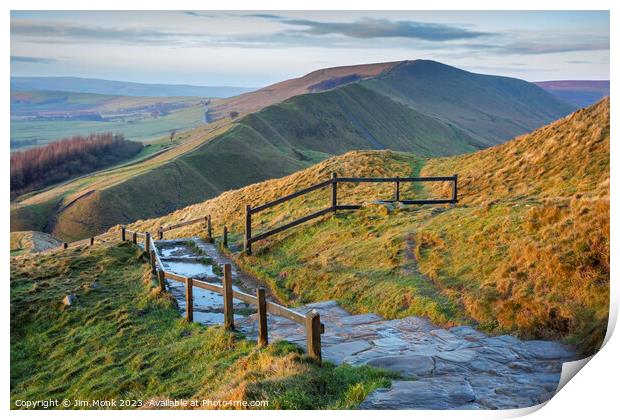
(58, 161)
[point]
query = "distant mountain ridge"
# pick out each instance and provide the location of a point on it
(423, 107)
(580, 93)
(316, 81)
(115, 87)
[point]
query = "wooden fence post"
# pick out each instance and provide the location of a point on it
(153, 262)
(160, 232)
(229, 322)
(397, 190)
(313, 334)
(454, 189)
(225, 237)
(189, 300)
(147, 242)
(262, 317)
(92, 240)
(247, 245)
(134, 238)
(334, 191)
(209, 229)
(65, 245)
(123, 233)
(162, 280)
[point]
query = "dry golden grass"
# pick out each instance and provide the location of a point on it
(569, 158)
(531, 239)
(526, 250)
(229, 208)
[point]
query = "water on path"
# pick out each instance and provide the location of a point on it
(455, 368)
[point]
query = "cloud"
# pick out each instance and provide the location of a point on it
(534, 48)
(54, 32)
(26, 59)
(202, 14)
(264, 16)
(384, 28)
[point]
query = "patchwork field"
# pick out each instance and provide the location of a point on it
(38, 117)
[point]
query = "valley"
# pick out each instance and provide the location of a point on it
(387, 107)
(580, 93)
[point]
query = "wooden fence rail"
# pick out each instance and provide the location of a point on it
(311, 321)
(133, 235)
(249, 238)
(205, 219)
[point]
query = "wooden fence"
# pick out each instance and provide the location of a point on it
(311, 321)
(333, 183)
(131, 235)
(105, 237)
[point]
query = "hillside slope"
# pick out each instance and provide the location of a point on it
(312, 82)
(305, 129)
(122, 339)
(526, 250)
(30, 241)
(490, 108)
(73, 209)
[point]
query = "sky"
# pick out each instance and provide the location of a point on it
(257, 48)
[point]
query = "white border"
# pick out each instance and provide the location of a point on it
(592, 394)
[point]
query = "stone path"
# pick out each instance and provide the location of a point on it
(455, 368)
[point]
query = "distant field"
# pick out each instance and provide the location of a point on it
(40, 117)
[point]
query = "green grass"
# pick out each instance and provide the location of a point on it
(526, 251)
(490, 108)
(127, 115)
(357, 259)
(125, 340)
(272, 143)
(123, 187)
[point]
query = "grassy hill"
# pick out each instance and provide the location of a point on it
(525, 251)
(123, 340)
(316, 81)
(74, 209)
(468, 113)
(38, 117)
(492, 109)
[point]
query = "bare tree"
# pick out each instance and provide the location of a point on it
(173, 133)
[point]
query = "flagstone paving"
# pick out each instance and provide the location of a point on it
(454, 368)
